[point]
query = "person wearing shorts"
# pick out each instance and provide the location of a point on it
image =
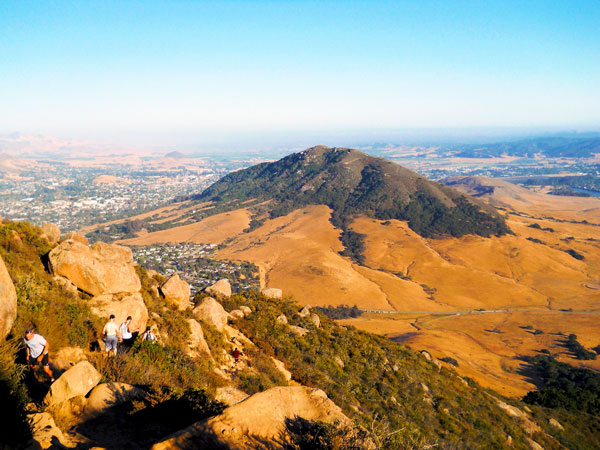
(112, 335)
(37, 352)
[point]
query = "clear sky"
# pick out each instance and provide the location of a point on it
(184, 71)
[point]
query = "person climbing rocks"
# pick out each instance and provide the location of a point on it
(127, 335)
(112, 335)
(148, 336)
(236, 355)
(37, 352)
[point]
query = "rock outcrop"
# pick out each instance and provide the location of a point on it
(176, 291)
(8, 301)
(282, 319)
(316, 320)
(99, 269)
(237, 314)
(78, 380)
(304, 312)
(45, 432)
(51, 232)
(220, 288)
(230, 395)
(272, 292)
(197, 344)
(246, 310)
(122, 305)
(260, 418)
(107, 395)
(211, 311)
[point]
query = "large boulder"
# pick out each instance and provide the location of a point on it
(99, 269)
(46, 433)
(122, 305)
(106, 395)
(259, 418)
(272, 292)
(51, 232)
(197, 344)
(176, 291)
(8, 301)
(78, 380)
(220, 288)
(230, 395)
(211, 311)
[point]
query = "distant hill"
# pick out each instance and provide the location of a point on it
(175, 155)
(352, 183)
(552, 147)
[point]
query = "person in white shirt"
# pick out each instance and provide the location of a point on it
(37, 352)
(112, 335)
(129, 336)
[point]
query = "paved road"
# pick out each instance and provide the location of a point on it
(491, 311)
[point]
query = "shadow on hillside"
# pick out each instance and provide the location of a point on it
(401, 338)
(529, 369)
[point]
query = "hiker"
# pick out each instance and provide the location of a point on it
(148, 336)
(127, 335)
(37, 351)
(236, 355)
(112, 335)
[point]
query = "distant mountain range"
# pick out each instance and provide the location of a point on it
(550, 147)
(353, 183)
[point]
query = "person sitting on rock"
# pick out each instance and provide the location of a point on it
(127, 335)
(148, 336)
(112, 335)
(37, 351)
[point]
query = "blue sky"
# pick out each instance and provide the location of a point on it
(188, 71)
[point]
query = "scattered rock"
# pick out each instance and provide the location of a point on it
(425, 388)
(281, 367)
(176, 291)
(436, 363)
(282, 319)
(15, 242)
(272, 292)
(197, 344)
(106, 395)
(236, 337)
(211, 311)
(556, 424)
(304, 312)
(230, 395)
(68, 413)
(51, 232)
(99, 269)
(237, 314)
(246, 310)
(299, 330)
(426, 355)
(316, 320)
(78, 380)
(339, 362)
(8, 301)
(261, 416)
(122, 305)
(534, 445)
(221, 287)
(529, 425)
(45, 432)
(66, 284)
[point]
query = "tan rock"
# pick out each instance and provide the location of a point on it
(282, 319)
(8, 301)
(237, 314)
(261, 416)
(272, 292)
(122, 305)
(51, 232)
(69, 412)
(197, 344)
(339, 362)
(304, 312)
(236, 337)
(15, 242)
(534, 445)
(281, 368)
(45, 432)
(299, 330)
(426, 355)
(556, 424)
(67, 357)
(316, 320)
(77, 237)
(230, 395)
(220, 288)
(246, 310)
(66, 284)
(106, 395)
(211, 311)
(101, 269)
(529, 425)
(78, 380)
(176, 291)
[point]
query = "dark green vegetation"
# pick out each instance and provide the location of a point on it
(378, 381)
(575, 254)
(352, 183)
(566, 185)
(339, 312)
(578, 350)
